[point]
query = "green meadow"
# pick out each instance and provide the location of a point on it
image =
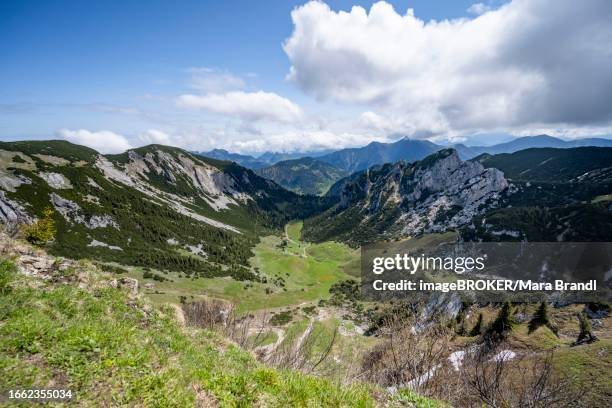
(296, 272)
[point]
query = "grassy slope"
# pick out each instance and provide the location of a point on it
(112, 350)
(591, 367)
(308, 270)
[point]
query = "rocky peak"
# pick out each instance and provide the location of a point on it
(434, 194)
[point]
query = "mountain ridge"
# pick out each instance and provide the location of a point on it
(154, 206)
(306, 175)
(360, 158)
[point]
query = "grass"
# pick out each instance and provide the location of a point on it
(410, 397)
(262, 339)
(111, 350)
(589, 366)
(294, 230)
(540, 339)
(308, 271)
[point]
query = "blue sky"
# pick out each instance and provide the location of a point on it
(202, 74)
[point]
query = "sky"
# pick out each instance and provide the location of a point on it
(255, 76)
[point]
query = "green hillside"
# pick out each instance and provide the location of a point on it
(156, 206)
(112, 349)
(303, 176)
(548, 164)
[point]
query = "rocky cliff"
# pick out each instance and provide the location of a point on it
(435, 194)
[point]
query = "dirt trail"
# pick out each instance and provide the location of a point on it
(180, 315)
(300, 244)
(268, 348)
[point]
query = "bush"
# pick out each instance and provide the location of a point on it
(586, 332)
(282, 318)
(41, 231)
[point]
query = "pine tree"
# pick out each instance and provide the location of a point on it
(540, 318)
(503, 322)
(477, 329)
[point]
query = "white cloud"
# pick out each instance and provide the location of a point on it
(155, 136)
(301, 141)
(478, 8)
(103, 141)
(544, 63)
(212, 80)
(245, 105)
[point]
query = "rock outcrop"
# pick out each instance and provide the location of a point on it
(72, 213)
(432, 195)
(12, 212)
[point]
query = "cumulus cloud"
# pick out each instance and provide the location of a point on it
(301, 141)
(212, 80)
(103, 141)
(245, 105)
(540, 62)
(155, 136)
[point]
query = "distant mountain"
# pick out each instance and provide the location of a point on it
(267, 159)
(155, 206)
(528, 142)
(360, 158)
(275, 157)
(242, 159)
(552, 165)
(305, 176)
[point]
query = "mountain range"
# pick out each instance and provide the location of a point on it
(533, 194)
(327, 168)
(165, 208)
(155, 206)
(360, 158)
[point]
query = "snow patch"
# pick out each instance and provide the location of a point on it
(504, 355)
(196, 250)
(456, 359)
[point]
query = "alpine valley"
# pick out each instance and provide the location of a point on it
(244, 272)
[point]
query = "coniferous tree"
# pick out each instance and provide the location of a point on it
(477, 329)
(503, 323)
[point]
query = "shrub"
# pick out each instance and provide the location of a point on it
(281, 318)
(586, 332)
(41, 231)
